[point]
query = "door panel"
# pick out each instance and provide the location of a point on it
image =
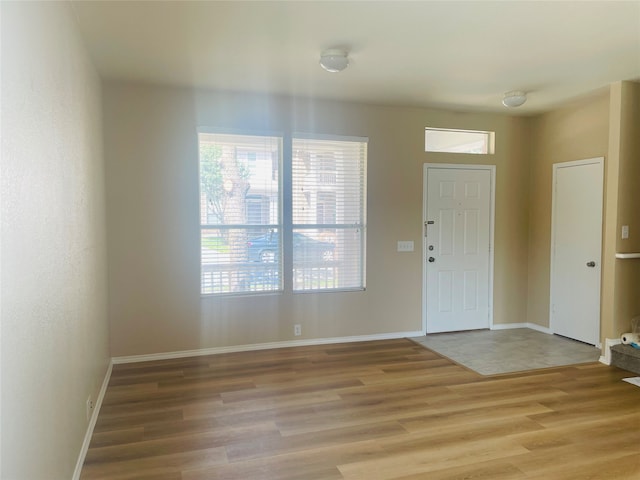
(576, 241)
(470, 299)
(471, 232)
(458, 224)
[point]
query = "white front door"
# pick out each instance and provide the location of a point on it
(458, 236)
(576, 249)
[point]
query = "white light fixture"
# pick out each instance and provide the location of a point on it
(334, 60)
(514, 98)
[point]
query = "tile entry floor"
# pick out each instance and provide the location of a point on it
(491, 352)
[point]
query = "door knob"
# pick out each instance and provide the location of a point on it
(591, 264)
(431, 259)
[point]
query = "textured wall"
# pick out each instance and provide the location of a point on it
(153, 230)
(54, 326)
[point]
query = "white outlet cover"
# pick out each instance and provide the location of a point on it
(405, 245)
(625, 231)
(90, 406)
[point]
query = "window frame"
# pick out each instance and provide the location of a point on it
(245, 226)
(361, 225)
(490, 140)
(285, 226)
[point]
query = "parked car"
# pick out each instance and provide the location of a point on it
(266, 248)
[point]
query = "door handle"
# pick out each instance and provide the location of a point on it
(431, 260)
(591, 264)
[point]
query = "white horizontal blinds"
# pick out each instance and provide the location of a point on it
(240, 225)
(329, 213)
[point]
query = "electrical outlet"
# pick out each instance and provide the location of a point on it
(90, 406)
(297, 330)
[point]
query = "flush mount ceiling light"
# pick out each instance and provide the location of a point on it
(514, 98)
(334, 60)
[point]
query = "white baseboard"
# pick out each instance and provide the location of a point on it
(262, 346)
(532, 326)
(92, 423)
(608, 343)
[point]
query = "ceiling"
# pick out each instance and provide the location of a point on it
(449, 54)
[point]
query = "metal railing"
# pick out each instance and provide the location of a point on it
(250, 277)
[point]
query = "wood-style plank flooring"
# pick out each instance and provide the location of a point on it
(372, 410)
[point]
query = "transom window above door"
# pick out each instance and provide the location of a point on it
(459, 141)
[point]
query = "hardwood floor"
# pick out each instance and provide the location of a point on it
(373, 410)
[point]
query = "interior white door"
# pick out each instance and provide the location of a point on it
(457, 248)
(576, 250)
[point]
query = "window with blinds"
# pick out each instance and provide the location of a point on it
(329, 213)
(243, 238)
(240, 213)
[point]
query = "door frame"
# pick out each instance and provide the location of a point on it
(588, 161)
(492, 210)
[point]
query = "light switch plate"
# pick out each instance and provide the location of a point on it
(405, 245)
(625, 232)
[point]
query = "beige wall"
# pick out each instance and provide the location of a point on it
(53, 290)
(621, 289)
(606, 124)
(575, 132)
(152, 199)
